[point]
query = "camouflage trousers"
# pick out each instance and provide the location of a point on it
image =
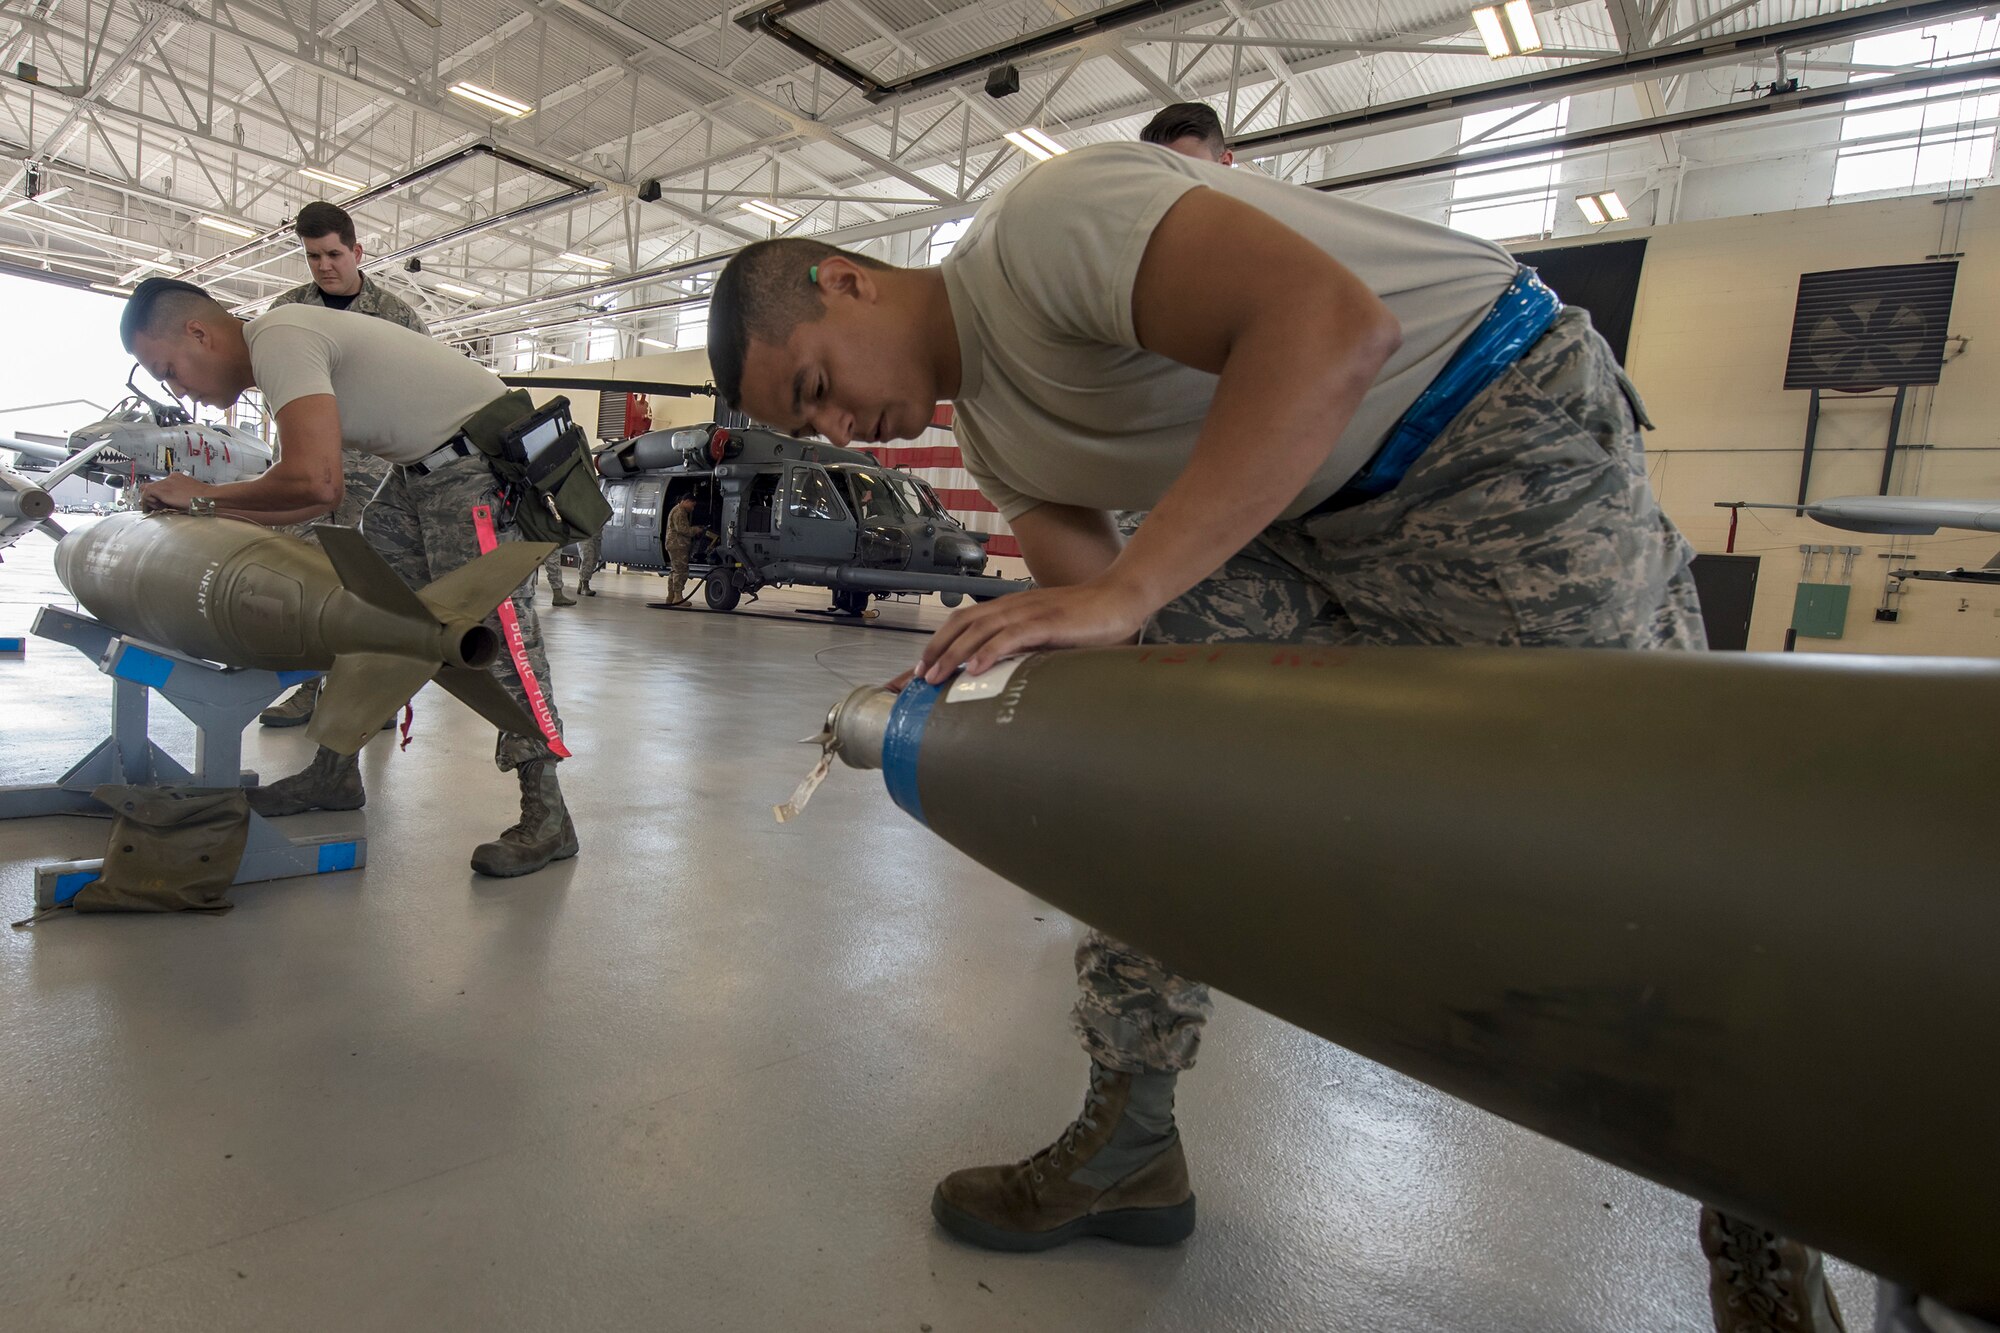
(1528, 522)
(360, 474)
(588, 555)
(423, 527)
(677, 562)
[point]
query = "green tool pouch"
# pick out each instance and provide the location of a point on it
(173, 849)
(541, 458)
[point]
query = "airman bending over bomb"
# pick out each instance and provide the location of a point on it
(333, 253)
(1344, 426)
(414, 403)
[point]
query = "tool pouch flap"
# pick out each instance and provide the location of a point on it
(172, 849)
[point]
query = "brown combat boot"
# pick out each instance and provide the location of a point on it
(295, 710)
(331, 781)
(1760, 1282)
(1116, 1172)
(544, 833)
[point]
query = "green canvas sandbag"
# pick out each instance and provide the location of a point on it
(172, 849)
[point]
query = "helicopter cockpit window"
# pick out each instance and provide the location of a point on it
(813, 496)
(917, 497)
(873, 498)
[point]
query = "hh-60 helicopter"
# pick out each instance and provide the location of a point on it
(789, 511)
(142, 439)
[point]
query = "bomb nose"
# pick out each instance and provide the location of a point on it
(859, 722)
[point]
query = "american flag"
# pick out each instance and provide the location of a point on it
(935, 457)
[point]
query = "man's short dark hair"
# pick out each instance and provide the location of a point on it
(160, 304)
(320, 218)
(1184, 120)
(765, 291)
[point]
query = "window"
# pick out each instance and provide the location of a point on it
(812, 495)
(1517, 198)
(248, 412)
(1928, 136)
(918, 497)
(692, 330)
(944, 238)
(873, 495)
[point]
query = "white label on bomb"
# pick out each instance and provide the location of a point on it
(970, 689)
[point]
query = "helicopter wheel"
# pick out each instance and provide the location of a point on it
(850, 602)
(721, 591)
(951, 598)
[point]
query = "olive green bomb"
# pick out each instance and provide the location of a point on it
(240, 594)
(1723, 919)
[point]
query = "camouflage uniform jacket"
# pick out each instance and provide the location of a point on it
(372, 299)
(362, 472)
(682, 529)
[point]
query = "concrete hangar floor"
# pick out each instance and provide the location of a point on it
(701, 1077)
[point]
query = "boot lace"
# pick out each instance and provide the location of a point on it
(1065, 1146)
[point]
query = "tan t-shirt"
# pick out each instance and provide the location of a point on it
(401, 395)
(1059, 403)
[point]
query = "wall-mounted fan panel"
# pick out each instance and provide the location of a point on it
(1860, 329)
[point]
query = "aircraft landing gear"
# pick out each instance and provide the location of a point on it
(850, 602)
(721, 591)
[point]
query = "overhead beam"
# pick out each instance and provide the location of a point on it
(1673, 122)
(1617, 71)
(687, 64)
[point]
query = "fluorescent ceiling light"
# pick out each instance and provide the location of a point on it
(1522, 20)
(226, 226)
(112, 288)
(1602, 207)
(457, 290)
(328, 178)
(556, 356)
(655, 342)
(491, 100)
(585, 260)
(156, 265)
(1035, 144)
(768, 212)
(1513, 35)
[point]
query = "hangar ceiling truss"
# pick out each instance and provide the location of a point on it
(143, 136)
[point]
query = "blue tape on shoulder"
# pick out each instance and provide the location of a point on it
(336, 856)
(68, 886)
(143, 668)
(297, 677)
(902, 742)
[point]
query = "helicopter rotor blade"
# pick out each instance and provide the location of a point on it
(616, 384)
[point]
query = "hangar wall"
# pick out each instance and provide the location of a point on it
(1708, 352)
